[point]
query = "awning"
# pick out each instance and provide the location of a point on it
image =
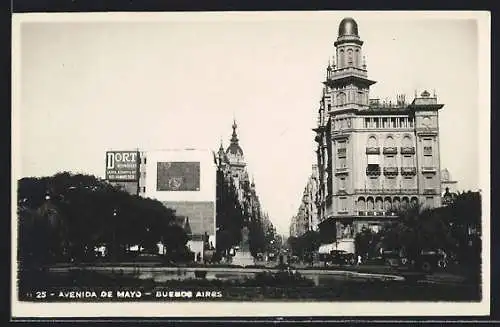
(326, 248)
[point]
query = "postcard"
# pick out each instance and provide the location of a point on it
(250, 163)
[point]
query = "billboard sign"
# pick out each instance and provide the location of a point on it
(122, 166)
(178, 176)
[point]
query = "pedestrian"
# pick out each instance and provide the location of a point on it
(359, 259)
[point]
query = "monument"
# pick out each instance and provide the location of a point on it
(243, 257)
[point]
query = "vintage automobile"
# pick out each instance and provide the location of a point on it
(342, 257)
(425, 261)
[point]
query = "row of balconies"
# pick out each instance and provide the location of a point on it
(390, 150)
(389, 171)
(376, 213)
(386, 191)
(368, 213)
(377, 192)
(392, 171)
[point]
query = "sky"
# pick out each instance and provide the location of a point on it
(179, 80)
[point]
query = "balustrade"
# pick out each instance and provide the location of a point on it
(390, 150)
(407, 150)
(390, 171)
(372, 150)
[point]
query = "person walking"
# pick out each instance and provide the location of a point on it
(359, 259)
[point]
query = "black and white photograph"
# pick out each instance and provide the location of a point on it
(315, 163)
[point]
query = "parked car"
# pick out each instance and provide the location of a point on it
(426, 261)
(342, 257)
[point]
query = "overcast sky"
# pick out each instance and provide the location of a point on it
(178, 81)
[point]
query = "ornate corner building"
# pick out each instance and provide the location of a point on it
(232, 162)
(374, 157)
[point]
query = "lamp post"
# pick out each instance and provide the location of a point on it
(115, 213)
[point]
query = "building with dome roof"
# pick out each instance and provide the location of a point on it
(233, 165)
(374, 157)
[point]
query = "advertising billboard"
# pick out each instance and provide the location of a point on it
(178, 176)
(185, 180)
(122, 166)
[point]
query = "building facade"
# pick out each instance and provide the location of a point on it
(374, 157)
(307, 215)
(233, 165)
(181, 179)
(447, 182)
(185, 181)
(292, 231)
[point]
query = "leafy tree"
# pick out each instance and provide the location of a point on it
(367, 242)
(83, 212)
(257, 237)
(229, 213)
(306, 244)
(455, 228)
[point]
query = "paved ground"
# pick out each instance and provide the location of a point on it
(369, 271)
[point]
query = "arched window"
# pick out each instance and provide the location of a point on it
(407, 142)
(407, 151)
(372, 142)
(370, 204)
(389, 141)
(405, 203)
(361, 204)
(396, 205)
(389, 152)
(349, 57)
(356, 58)
(379, 205)
(341, 58)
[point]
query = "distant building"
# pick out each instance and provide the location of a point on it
(294, 230)
(373, 156)
(448, 182)
(232, 162)
(307, 214)
(449, 187)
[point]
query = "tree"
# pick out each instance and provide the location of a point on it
(293, 243)
(229, 213)
(306, 244)
(367, 242)
(455, 228)
(83, 212)
(257, 237)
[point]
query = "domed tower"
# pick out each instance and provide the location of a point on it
(234, 152)
(348, 79)
(236, 161)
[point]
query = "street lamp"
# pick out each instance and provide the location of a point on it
(115, 213)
